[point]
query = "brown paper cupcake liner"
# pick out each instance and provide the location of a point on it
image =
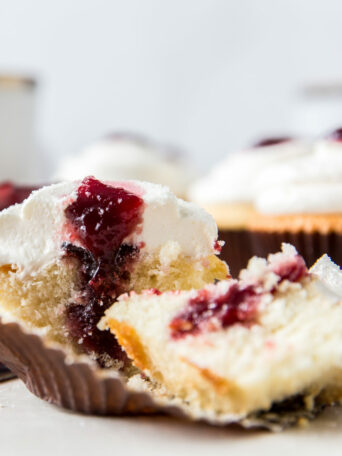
(241, 245)
(237, 249)
(5, 374)
(310, 245)
(77, 386)
(82, 387)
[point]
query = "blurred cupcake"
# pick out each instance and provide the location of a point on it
(122, 156)
(300, 201)
(229, 191)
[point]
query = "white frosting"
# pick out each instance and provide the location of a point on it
(293, 177)
(168, 218)
(124, 158)
(31, 233)
(308, 184)
(235, 179)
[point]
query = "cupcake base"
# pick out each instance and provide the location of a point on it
(241, 245)
(311, 245)
(82, 387)
(237, 249)
(77, 386)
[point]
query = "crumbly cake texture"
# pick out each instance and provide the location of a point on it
(52, 283)
(274, 344)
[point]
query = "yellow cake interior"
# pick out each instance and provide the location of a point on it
(39, 301)
(294, 349)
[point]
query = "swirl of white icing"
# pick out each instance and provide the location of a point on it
(308, 184)
(122, 157)
(236, 178)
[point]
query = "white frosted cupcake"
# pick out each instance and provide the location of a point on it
(228, 192)
(300, 201)
(66, 254)
(123, 156)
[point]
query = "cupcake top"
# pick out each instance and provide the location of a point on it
(44, 218)
(235, 180)
(122, 156)
(281, 177)
(305, 184)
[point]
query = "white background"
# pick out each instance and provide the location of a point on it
(208, 75)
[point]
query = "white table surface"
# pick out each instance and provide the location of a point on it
(29, 426)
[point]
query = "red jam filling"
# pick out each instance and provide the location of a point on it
(12, 194)
(218, 247)
(100, 218)
(336, 135)
(272, 141)
(239, 304)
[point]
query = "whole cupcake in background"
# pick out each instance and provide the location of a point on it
(122, 156)
(300, 201)
(228, 193)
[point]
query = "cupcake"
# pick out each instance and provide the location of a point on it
(300, 201)
(242, 350)
(123, 156)
(66, 253)
(12, 194)
(228, 193)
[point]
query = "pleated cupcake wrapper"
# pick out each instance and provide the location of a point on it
(237, 249)
(241, 245)
(2, 368)
(77, 386)
(5, 374)
(310, 245)
(81, 386)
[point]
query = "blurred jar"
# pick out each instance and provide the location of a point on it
(319, 109)
(18, 149)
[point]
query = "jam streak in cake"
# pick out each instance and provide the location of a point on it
(100, 219)
(239, 304)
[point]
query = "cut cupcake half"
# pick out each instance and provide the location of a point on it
(70, 249)
(267, 342)
(10, 194)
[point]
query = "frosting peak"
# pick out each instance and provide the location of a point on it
(122, 157)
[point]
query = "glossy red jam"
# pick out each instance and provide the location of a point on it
(12, 194)
(272, 141)
(100, 219)
(336, 135)
(239, 304)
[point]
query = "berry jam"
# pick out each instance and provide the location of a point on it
(218, 247)
(272, 141)
(11, 194)
(239, 304)
(100, 219)
(336, 135)
(292, 269)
